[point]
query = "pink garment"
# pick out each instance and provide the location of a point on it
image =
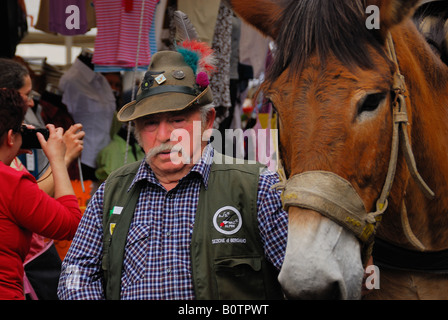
(117, 37)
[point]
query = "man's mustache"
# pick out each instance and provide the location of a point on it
(165, 147)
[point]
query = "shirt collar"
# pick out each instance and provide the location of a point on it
(204, 165)
(200, 170)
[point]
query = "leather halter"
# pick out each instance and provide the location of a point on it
(335, 198)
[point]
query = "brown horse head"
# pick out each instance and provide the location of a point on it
(331, 82)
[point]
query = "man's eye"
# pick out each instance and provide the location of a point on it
(149, 125)
(178, 122)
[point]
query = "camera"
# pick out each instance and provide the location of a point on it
(29, 137)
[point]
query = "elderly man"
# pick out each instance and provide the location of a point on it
(182, 224)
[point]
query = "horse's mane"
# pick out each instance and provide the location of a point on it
(431, 20)
(324, 27)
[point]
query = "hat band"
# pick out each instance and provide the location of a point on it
(165, 89)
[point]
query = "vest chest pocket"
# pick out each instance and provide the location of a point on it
(136, 251)
(240, 278)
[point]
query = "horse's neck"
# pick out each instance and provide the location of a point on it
(427, 83)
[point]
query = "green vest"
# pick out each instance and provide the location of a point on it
(227, 255)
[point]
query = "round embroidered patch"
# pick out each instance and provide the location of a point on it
(227, 220)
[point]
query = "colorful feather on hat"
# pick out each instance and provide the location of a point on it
(192, 49)
(198, 55)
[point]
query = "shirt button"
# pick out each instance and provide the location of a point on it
(168, 270)
(168, 234)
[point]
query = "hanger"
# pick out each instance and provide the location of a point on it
(86, 56)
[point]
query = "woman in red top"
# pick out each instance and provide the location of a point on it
(24, 208)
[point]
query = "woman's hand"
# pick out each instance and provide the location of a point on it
(54, 147)
(73, 139)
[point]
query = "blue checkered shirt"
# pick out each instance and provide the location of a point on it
(157, 255)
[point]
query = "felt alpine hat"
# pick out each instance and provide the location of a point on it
(170, 84)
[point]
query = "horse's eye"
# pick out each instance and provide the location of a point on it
(370, 102)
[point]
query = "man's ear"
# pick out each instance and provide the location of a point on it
(211, 115)
(393, 12)
(208, 125)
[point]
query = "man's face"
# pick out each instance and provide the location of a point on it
(25, 92)
(161, 132)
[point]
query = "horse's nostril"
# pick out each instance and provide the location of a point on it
(335, 291)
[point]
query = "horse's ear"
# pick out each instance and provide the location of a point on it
(262, 14)
(393, 12)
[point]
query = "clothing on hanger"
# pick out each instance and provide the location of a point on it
(117, 40)
(152, 47)
(91, 102)
(220, 81)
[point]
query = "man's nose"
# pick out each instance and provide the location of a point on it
(164, 131)
(30, 103)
